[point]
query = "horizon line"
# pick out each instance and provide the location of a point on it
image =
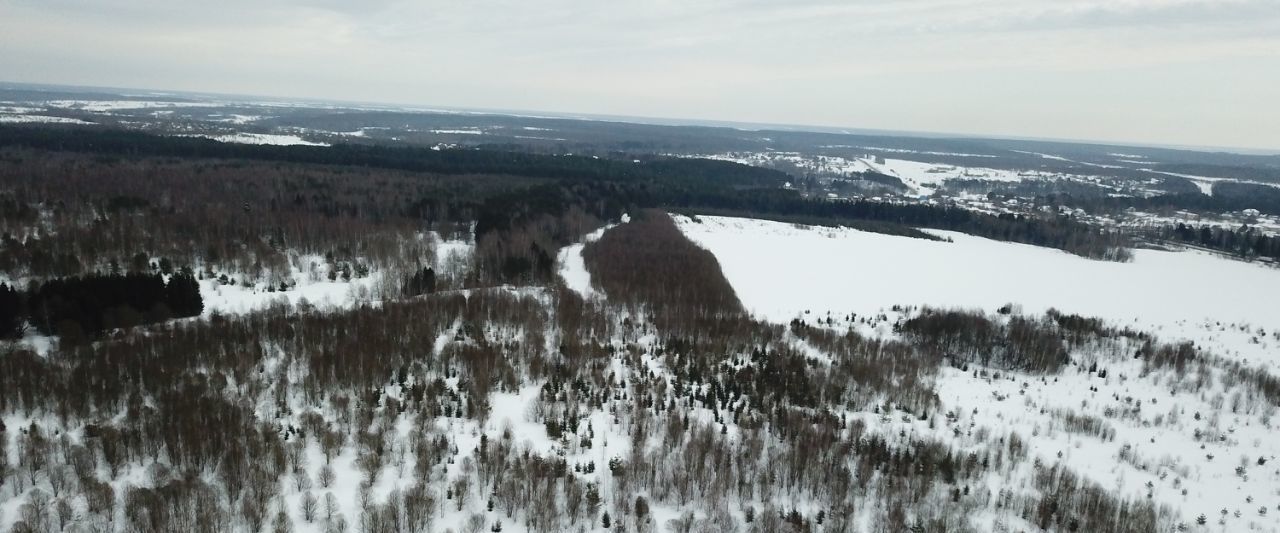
(638, 119)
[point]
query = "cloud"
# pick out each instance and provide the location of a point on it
(796, 61)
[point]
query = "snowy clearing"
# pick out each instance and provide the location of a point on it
(572, 268)
(780, 271)
(263, 138)
(238, 299)
(1189, 440)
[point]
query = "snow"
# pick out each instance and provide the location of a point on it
(1155, 450)
(239, 119)
(19, 109)
(904, 151)
(1045, 156)
(512, 410)
(573, 269)
(1205, 186)
(780, 270)
(458, 132)
(263, 138)
(1176, 438)
(1205, 183)
(39, 119)
(453, 257)
(308, 280)
(927, 177)
(34, 341)
(105, 106)
(238, 299)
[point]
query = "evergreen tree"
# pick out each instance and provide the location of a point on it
(183, 296)
(420, 282)
(11, 312)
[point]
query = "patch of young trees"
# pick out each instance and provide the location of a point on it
(1017, 343)
(649, 262)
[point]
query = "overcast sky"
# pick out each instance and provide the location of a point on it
(1188, 72)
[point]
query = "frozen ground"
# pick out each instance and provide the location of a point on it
(780, 271)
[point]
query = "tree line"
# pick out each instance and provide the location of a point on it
(1247, 242)
(1051, 231)
(520, 192)
(1227, 196)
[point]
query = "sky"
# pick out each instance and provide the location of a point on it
(1176, 72)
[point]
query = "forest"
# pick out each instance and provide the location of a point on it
(1246, 242)
(459, 384)
(75, 307)
(1227, 196)
(548, 185)
(720, 415)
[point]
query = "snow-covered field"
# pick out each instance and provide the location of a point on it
(928, 177)
(781, 271)
(39, 119)
(1192, 441)
(264, 138)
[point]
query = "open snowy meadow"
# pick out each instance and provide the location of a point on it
(782, 271)
(1188, 440)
